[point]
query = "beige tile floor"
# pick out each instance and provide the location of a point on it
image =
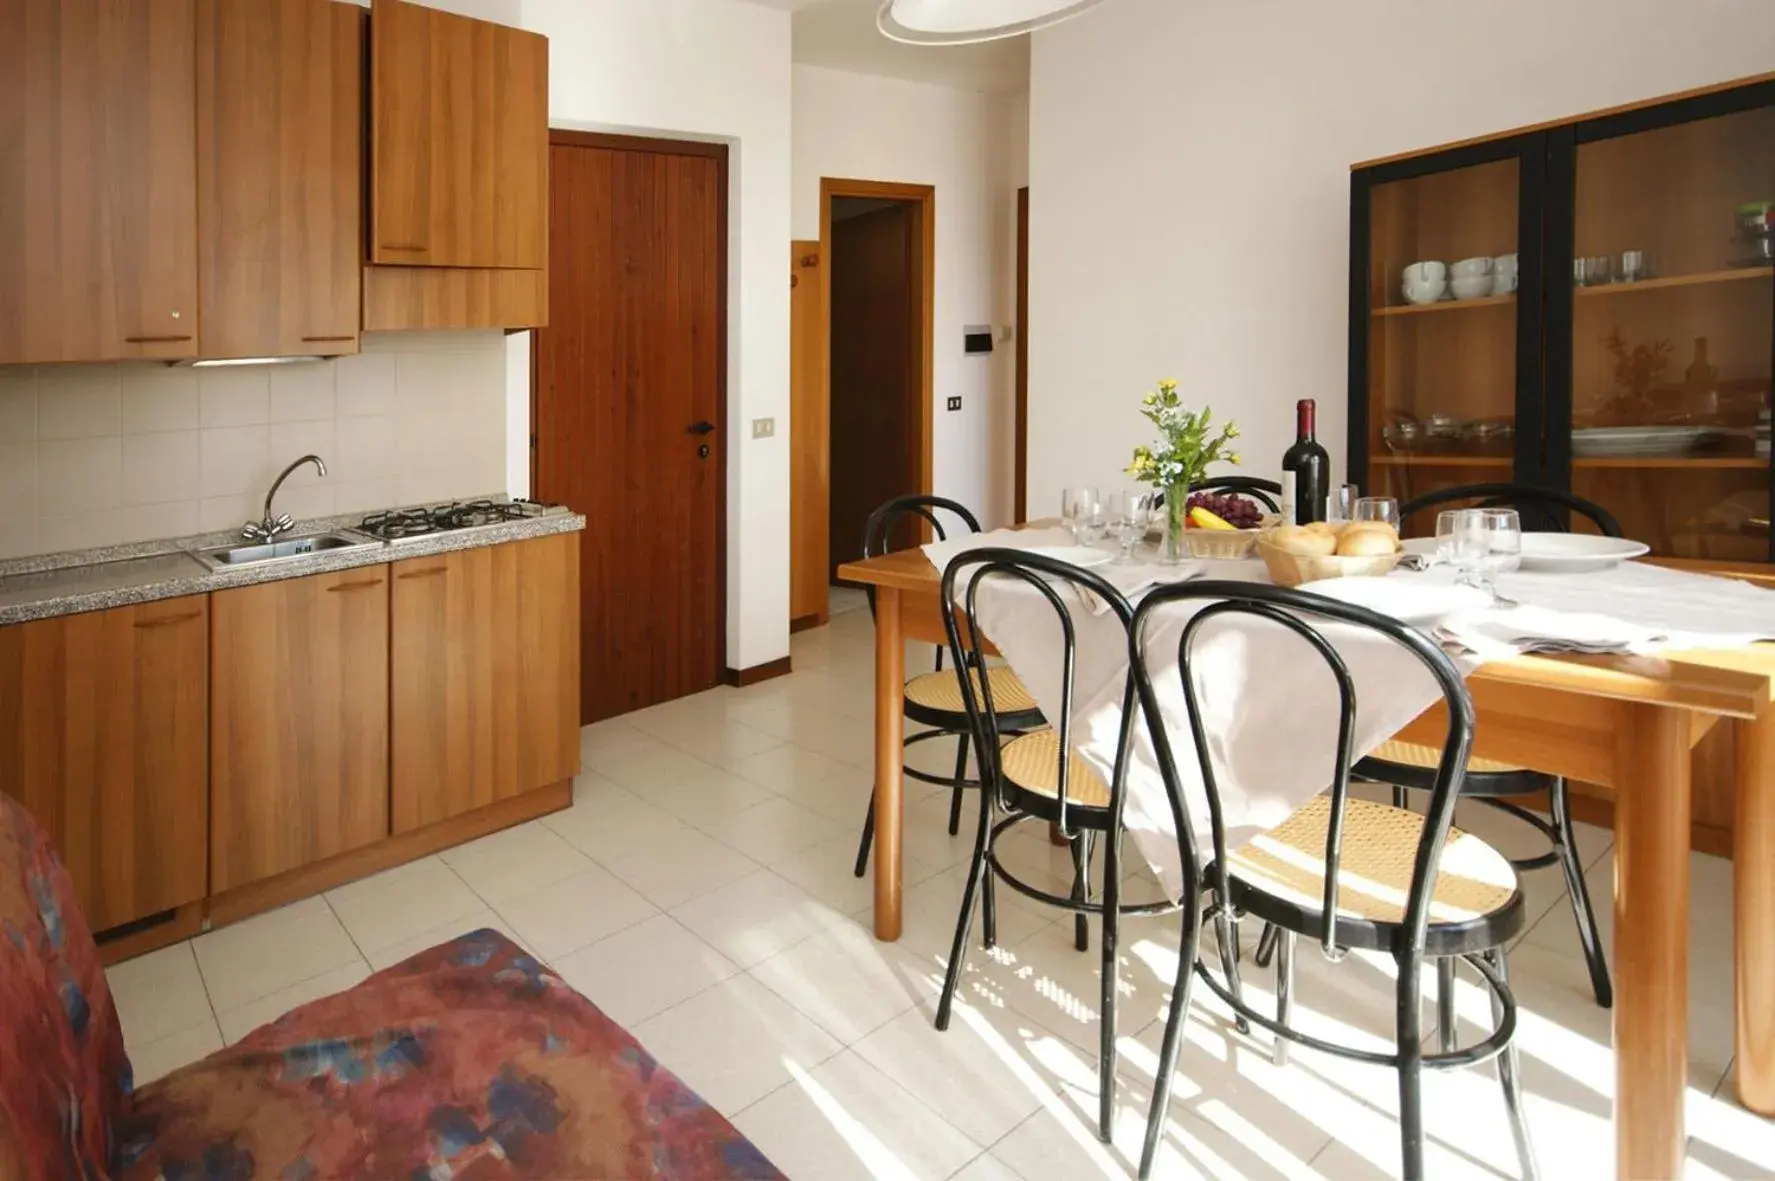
(700, 892)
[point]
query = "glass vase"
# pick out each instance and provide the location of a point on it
(1173, 548)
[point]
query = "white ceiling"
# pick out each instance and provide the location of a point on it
(842, 34)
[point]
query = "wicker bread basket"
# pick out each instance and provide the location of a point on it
(1288, 569)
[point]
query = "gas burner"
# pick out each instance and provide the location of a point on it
(402, 524)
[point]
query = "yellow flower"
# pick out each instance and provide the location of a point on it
(1235, 459)
(1149, 399)
(1232, 430)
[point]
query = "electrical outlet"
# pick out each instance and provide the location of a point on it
(955, 403)
(764, 428)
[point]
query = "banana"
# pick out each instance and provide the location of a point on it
(1203, 519)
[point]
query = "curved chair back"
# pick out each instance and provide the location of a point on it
(880, 529)
(1543, 510)
(1052, 582)
(1306, 616)
(1265, 492)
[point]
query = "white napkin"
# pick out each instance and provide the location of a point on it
(1497, 633)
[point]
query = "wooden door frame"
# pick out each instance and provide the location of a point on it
(718, 152)
(923, 199)
(1020, 494)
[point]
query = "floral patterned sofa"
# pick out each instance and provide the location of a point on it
(468, 1061)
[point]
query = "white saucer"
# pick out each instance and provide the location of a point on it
(1577, 553)
(1414, 600)
(1082, 556)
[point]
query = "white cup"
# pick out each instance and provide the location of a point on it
(1473, 268)
(1424, 282)
(1503, 280)
(1471, 286)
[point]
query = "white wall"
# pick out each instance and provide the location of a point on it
(1190, 182)
(968, 145)
(716, 70)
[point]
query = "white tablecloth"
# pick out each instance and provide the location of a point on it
(1269, 703)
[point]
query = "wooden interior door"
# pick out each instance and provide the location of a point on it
(809, 478)
(102, 738)
(875, 381)
(630, 406)
(98, 180)
(280, 175)
(458, 140)
(298, 722)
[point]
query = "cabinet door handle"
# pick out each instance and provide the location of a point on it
(362, 584)
(155, 339)
(326, 339)
(168, 620)
(405, 248)
(428, 572)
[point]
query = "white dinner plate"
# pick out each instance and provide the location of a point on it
(1576, 553)
(1407, 599)
(1075, 555)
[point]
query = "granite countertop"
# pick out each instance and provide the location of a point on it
(47, 585)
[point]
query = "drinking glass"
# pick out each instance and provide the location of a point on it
(1341, 504)
(1460, 542)
(1082, 509)
(1133, 517)
(1384, 509)
(1502, 531)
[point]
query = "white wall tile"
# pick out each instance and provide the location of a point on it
(159, 398)
(161, 467)
(364, 448)
(77, 475)
(137, 451)
(18, 404)
(237, 395)
(364, 384)
(79, 401)
(302, 393)
(234, 460)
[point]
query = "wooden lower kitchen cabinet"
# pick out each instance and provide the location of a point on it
(485, 677)
(102, 738)
(298, 722)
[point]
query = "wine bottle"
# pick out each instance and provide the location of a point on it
(1306, 468)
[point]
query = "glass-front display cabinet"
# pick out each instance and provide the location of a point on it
(1588, 307)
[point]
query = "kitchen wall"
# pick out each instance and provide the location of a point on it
(971, 146)
(1189, 172)
(97, 454)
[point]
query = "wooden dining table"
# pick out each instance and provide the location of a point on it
(1627, 723)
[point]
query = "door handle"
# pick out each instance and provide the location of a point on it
(701, 428)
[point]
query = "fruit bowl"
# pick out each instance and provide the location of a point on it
(1224, 544)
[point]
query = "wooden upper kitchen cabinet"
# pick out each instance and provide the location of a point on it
(298, 722)
(458, 140)
(98, 180)
(103, 718)
(485, 676)
(280, 176)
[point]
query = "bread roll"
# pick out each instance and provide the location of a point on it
(1367, 543)
(1325, 527)
(1372, 526)
(1304, 541)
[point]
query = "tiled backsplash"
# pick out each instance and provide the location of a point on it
(100, 454)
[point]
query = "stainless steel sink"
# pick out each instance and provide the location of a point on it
(283, 549)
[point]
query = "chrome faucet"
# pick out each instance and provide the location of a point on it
(271, 526)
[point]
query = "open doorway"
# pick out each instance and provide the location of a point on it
(862, 326)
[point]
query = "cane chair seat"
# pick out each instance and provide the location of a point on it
(1412, 754)
(941, 691)
(1032, 764)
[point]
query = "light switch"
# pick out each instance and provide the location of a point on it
(764, 428)
(955, 404)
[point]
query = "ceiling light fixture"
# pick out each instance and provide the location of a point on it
(963, 22)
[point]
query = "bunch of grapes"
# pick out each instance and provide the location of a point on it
(1230, 507)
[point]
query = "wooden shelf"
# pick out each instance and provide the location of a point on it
(1447, 305)
(1731, 275)
(1745, 462)
(1442, 460)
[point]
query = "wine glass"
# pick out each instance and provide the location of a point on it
(1133, 517)
(1460, 542)
(1501, 529)
(1384, 509)
(1082, 509)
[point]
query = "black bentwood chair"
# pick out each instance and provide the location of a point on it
(1036, 777)
(1411, 765)
(934, 698)
(1336, 870)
